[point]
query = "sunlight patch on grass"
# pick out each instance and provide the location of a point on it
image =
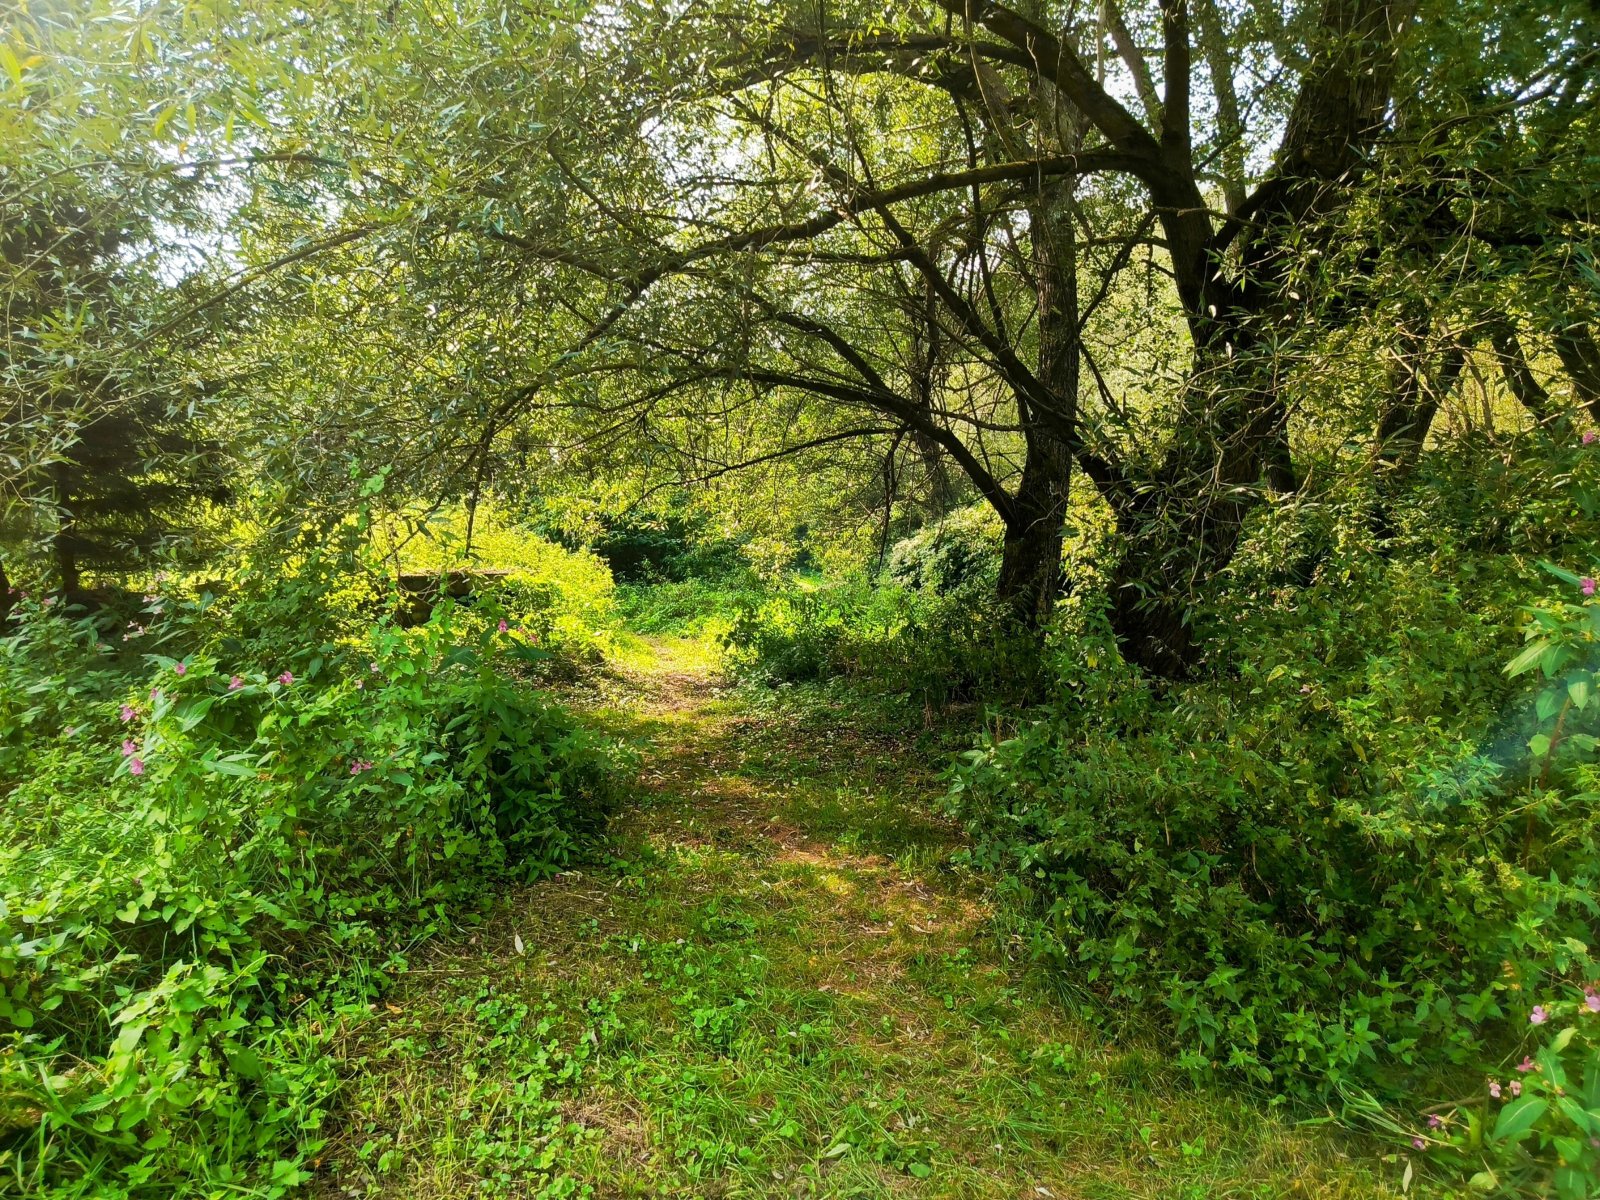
(760, 998)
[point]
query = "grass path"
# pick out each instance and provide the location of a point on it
(780, 987)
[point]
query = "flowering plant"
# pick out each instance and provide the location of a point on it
(1534, 1130)
(238, 833)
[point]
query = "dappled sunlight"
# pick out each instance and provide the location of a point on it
(743, 1003)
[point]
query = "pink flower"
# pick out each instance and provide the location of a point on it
(70, 730)
(1516, 1087)
(1435, 1120)
(361, 684)
(129, 748)
(1419, 1143)
(1589, 436)
(235, 684)
(1538, 1016)
(359, 765)
(136, 766)
(126, 713)
(179, 669)
(1527, 1064)
(503, 626)
(155, 693)
(1591, 1000)
(373, 667)
(286, 678)
(1494, 1088)
(1587, 585)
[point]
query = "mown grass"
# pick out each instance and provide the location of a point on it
(779, 986)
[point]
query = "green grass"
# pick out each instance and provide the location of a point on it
(779, 986)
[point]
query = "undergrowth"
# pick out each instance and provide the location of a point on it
(217, 851)
(1354, 860)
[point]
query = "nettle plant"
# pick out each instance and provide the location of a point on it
(1534, 1129)
(1564, 646)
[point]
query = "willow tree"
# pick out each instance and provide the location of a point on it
(1244, 193)
(1022, 117)
(966, 237)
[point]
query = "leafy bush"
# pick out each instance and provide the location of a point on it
(692, 608)
(665, 548)
(563, 597)
(1537, 1131)
(938, 649)
(959, 553)
(804, 635)
(205, 861)
(1355, 861)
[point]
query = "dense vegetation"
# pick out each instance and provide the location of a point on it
(1190, 406)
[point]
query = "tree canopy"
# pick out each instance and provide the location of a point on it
(889, 254)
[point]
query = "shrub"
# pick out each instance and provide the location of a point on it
(960, 553)
(1533, 1129)
(937, 649)
(804, 635)
(668, 547)
(1341, 866)
(691, 608)
(204, 859)
(563, 597)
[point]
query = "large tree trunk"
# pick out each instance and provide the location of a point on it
(1030, 560)
(1030, 564)
(1514, 368)
(1232, 442)
(1416, 392)
(1416, 395)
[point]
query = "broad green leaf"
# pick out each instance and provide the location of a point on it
(1517, 1118)
(1528, 658)
(223, 766)
(1563, 574)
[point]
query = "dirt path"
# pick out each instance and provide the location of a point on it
(779, 986)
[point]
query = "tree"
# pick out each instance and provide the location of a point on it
(1031, 247)
(125, 461)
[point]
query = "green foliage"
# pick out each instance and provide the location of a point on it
(1550, 1116)
(672, 548)
(208, 861)
(692, 607)
(1531, 1129)
(568, 251)
(1342, 864)
(937, 648)
(959, 553)
(122, 464)
(562, 598)
(806, 634)
(768, 991)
